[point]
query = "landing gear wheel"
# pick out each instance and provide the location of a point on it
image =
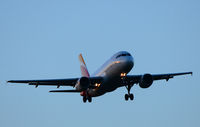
(131, 96)
(84, 99)
(126, 97)
(89, 99)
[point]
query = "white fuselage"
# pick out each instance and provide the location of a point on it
(118, 65)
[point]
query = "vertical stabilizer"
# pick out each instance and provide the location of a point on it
(83, 67)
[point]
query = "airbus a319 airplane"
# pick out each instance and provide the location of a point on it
(110, 76)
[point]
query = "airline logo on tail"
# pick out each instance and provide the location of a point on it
(83, 67)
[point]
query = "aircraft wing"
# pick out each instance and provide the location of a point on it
(132, 79)
(57, 82)
(168, 76)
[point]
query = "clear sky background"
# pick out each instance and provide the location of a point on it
(41, 39)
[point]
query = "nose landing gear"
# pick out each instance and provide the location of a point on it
(129, 95)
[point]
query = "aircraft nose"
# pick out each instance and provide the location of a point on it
(128, 63)
(129, 60)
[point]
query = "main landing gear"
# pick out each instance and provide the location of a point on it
(129, 95)
(85, 98)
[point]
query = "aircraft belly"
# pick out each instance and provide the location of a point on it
(104, 88)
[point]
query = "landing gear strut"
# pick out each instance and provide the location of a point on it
(85, 98)
(129, 95)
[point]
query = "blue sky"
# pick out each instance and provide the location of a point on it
(41, 39)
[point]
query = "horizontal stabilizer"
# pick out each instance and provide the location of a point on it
(63, 91)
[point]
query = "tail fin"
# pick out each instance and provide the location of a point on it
(84, 70)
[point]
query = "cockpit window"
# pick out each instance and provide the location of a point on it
(128, 54)
(124, 54)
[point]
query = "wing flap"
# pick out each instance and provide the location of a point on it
(65, 91)
(60, 82)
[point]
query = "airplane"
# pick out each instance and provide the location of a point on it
(110, 76)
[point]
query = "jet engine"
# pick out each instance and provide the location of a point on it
(146, 81)
(82, 84)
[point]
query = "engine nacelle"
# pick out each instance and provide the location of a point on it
(146, 81)
(82, 84)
